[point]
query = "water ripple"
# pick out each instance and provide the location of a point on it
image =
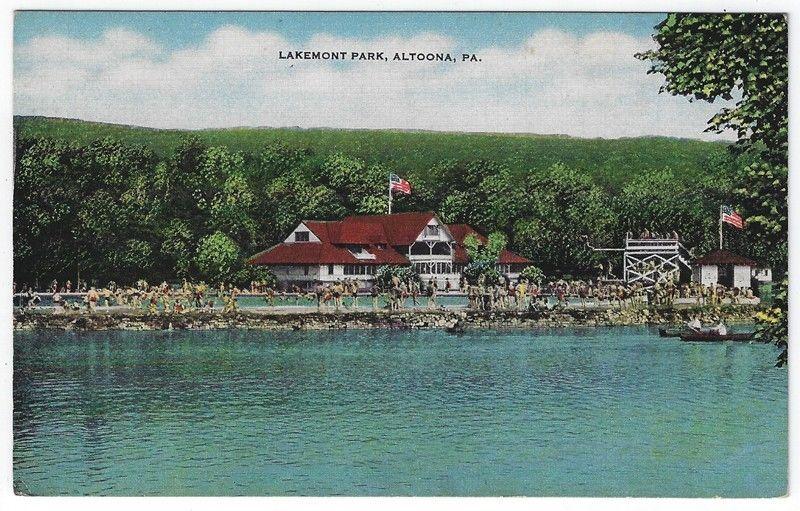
(552, 412)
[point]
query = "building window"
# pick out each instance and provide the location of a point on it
(359, 269)
(420, 249)
(440, 248)
(330, 269)
(432, 230)
(503, 268)
(301, 236)
(433, 268)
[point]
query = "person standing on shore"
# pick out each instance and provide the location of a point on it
(319, 290)
(153, 298)
(396, 298)
(106, 294)
(432, 288)
(91, 299)
(31, 298)
(501, 291)
(354, 293)
(232, 304)
(58, 300)
(338, 290)
(471, 293)
(522, 294)
(374, 294)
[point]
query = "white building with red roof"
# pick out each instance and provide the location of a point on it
(729, 269)
(356, 246)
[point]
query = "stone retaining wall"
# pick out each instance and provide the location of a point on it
(377, 319)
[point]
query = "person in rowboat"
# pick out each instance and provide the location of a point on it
(695, 325)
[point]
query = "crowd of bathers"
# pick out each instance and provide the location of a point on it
(396, 294)
(141, 295)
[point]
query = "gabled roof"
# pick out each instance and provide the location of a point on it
(321, 229)
(461, 231)
(372, 232)
(395, 229)
(323, 253)
(723, 257)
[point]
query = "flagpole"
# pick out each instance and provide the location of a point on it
(390, 193)
(720, 227)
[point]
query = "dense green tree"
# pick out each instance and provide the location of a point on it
(217, 258)
(485, 252)
(483, 257)
(711, 56)
(659, 202)
(77, 209)
(562, 207)
(741, 57)
(532, 274)
(293, 198)
(177, 248)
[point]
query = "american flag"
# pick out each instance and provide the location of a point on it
(399, 184)
(729, 216)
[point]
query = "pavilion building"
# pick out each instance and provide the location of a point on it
(354, 247)
(726, 268)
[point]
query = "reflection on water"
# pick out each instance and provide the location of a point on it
(614, 411)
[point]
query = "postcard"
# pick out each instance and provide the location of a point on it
(380, 253)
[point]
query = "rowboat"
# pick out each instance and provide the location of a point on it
(666, 332)
(715, 337)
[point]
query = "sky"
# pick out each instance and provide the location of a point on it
(546, 73)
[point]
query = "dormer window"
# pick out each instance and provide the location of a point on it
(301, 236)
(432, 230)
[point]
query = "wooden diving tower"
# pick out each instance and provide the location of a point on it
(651, 260)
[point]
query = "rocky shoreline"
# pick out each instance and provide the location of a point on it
(408, 319)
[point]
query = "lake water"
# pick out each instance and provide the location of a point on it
(567, 412)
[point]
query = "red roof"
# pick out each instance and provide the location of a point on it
(395, 229)
(321, 228)
(369, 231)
(724, 257)
(323, 253)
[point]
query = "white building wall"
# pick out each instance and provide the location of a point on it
(741, 276)
(326, 276)
(443, 234)
(295, 274)
(762, 274)
(301, 228)
(706, 274)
